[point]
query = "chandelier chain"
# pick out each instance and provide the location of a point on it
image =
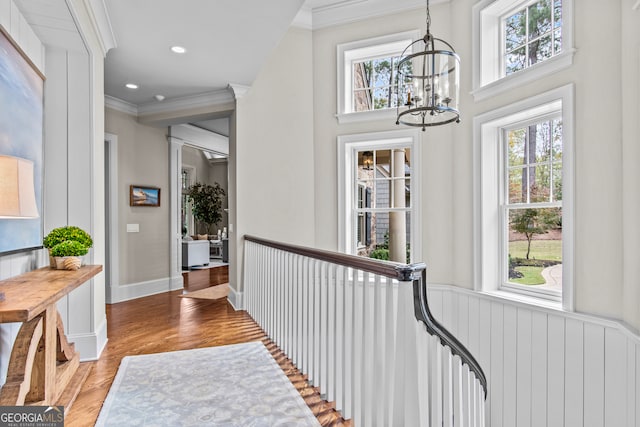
(428, 19)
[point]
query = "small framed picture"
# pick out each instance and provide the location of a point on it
(144, 196)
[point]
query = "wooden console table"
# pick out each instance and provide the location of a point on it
(44, 368)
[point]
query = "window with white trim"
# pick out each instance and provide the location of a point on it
(531, 208)
(524, 194)
(366, 76)
(518, 41)
(531, 34)
(379, 188)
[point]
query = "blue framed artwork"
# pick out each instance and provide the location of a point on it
(21, 144)
(144, 196)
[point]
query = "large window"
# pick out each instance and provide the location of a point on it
(524, 195)
(532, 206)
(366, 76)
(378, 182)
(519, 41)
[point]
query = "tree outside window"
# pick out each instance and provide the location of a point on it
(532, 34)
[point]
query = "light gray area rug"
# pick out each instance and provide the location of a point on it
(234, 385)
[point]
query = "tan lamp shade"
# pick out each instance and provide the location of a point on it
(17, 193)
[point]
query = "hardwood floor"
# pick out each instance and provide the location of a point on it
(166, 322)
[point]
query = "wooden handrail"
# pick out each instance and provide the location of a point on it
(415, 273)
(393, 270)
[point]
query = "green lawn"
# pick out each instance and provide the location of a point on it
(540, 249)
(531, 276)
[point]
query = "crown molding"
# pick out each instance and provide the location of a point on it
(238, 90)
(101, 22)
(207, 99)
(349, 11)
(120, 105)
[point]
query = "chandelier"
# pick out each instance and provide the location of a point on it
(428, 82)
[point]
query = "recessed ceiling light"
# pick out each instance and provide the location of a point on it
(131, 86)
(159, 97)
(178, 49)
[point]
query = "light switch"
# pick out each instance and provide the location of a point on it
(133, 228)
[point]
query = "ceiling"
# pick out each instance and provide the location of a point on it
(227, 41)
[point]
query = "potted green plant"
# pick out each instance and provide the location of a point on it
(68, 254)
(206, 201)
(67, 233)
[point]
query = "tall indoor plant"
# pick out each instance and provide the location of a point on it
(206, 201)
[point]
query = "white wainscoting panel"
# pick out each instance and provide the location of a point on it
(545, 367)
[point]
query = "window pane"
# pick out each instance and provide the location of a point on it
(517, 193)
(516, 142)
(539, 184)
(382, 72)
(515, 61)
(362, 100)
(557, 181)
(382, 194)
(541, 145)
(515, 31)
(365, 164)
(557, 13)
(382, 160)
(539, 19)
(535, 247)
(361, 75)
(407, 186)
(557, 40)
(382, 98)
(540, 49)
(557, 140)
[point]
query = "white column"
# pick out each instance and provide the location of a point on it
(175, 230)
(398, 220)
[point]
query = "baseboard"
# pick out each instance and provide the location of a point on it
(144, 289)
(177, 282)
(235, 298)
(90, 345)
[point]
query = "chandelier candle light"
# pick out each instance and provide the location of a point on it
(428, 81)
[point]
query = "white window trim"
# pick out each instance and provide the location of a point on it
(348, 147)
(487, 73)
(488, 246)
(347, 53)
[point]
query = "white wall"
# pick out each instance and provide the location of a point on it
(143, 159)
(630, 70)
(274, 159)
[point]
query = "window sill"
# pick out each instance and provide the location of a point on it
(525, 299)
(367, 116)
(535, 72)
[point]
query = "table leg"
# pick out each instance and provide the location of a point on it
(42, 364)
